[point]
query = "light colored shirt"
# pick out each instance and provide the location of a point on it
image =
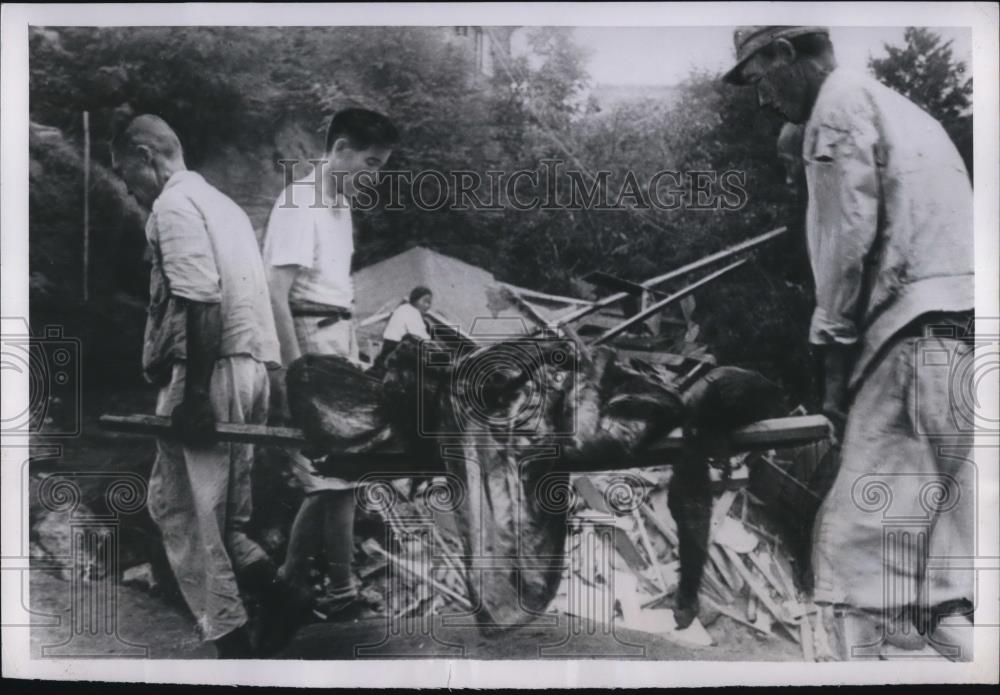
(405, 320)
(889, 224)
(204, 249)
(318, 238)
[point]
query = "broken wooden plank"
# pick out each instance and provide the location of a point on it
(648, 545)
(761, 592)
(733, 615)
(765, 572)
(371, 546)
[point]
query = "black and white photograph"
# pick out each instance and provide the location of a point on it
(569, 345)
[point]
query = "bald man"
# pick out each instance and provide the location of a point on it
(210, 339)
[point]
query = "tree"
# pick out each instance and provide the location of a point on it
(925, 71)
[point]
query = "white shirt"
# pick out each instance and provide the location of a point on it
(405, 320)
(889, 224)
(205, 250)
(319, 240)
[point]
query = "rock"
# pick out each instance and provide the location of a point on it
(140, 577)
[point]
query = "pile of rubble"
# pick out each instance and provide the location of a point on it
(622, 565)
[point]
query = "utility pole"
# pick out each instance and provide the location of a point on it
(86, 206)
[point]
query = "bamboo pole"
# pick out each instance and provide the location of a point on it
(663, 303)
(578, 314)
(86, 206)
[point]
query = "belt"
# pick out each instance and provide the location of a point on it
(329, 315)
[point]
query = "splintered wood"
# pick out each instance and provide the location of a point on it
(634, 573)
(622, 565)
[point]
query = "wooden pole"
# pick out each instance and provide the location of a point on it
(578, 314)
(86, 206)
(763, 434)
(663, 303)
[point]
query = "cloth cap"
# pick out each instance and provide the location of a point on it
(749, 40)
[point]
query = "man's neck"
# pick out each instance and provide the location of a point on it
(168, 169)
(334, 196)
(820, 71)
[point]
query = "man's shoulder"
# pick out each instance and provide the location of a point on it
(846, 96)
(301, 195)
(194, 193)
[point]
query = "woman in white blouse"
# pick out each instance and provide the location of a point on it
(407, 319)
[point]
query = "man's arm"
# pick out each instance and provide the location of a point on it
(279, 280)
(844, 194)
(194, 419)
(192, 274)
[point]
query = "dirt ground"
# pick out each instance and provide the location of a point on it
(149, 626)
(156, 625)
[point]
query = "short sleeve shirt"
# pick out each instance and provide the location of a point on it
(204, 250)
(405, 320)
(316, 236)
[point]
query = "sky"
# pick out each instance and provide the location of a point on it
(665, 55)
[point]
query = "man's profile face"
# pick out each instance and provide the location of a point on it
(424, 303)
(350, 167)
(780, 83)
(136, 169)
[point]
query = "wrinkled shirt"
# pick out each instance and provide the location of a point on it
(204, 249)
(889, 223)
(317, 237)
(405, 320)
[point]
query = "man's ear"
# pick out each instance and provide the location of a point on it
(340, 145)
(784, 50)
(145, 153)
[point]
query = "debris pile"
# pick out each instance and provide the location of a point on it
(622, 565)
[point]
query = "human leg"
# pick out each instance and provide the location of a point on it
(187, 499)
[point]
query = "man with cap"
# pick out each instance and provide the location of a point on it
(889, 233)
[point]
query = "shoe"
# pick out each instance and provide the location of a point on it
(235, 645)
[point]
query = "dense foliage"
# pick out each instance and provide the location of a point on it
(243, 98)
(925, 71)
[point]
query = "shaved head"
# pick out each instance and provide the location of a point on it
(145, 154)
(151, 132)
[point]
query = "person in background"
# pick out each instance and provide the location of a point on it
(406, 319)
(209, 340)
(308, 249)
(890, 239)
